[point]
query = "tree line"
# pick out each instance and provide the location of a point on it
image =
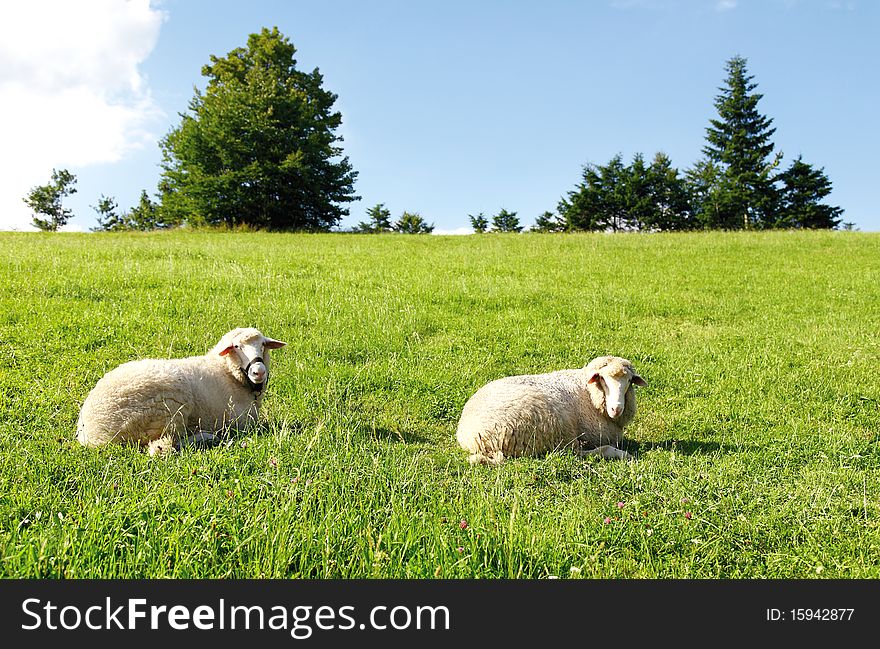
(258, 148)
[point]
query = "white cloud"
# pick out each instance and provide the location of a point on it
(71, 91)
(725, 5)
(455, 231)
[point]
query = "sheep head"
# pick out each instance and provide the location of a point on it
(247, 349)
(609, 382)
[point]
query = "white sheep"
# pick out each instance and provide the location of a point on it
(584, 409)
(161, 403)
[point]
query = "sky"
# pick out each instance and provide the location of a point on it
(449, 108)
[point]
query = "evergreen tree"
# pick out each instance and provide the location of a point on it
(109, 220)
(739, 143)
(258, 146)
(46, 200)
(638, 197)
(145, 215)
(603, 200)
(613, 194)
(800, 204)
(506, 221)
(379, 220)
(548, 222)
(707, 197)
(582, 208)
(670, 207)
(413, 223)
(479, 223)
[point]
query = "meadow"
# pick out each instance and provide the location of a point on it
(756, 439)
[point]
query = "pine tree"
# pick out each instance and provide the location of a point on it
(379, 220)
(638, 197)
(613, 198)
(479, 223)
(670, 207)
(739, 143)
(506, 221)
(548, 222)
(46, 199)
(800, 204)
(412, 223)
(582, 208)
(109, 220)
(706, 195)
(146, 215)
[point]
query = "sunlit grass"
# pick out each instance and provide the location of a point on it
(757, 438)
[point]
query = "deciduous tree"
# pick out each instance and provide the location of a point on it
(259, 146)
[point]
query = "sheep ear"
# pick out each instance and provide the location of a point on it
(638, 380)
(271, 343)
(227, 350)
(594, 377)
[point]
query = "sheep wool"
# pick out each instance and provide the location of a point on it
(159, 403)
(583, 409)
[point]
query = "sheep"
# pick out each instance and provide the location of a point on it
(165, 403)
(584, 409)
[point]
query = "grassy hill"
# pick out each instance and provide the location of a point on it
(757, 438)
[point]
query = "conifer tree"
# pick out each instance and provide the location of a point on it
(479, 223)
(739, 143)
(379, 220)
(413, 223)
(506, 221)
(800, 204)
(46, 199)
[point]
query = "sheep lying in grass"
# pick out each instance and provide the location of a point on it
(161, 403)
(585, 409)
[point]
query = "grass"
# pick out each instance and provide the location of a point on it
(757, 438)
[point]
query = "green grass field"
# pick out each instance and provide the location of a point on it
(757, 438)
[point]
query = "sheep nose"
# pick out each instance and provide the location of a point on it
(614, 411)
(257, 372)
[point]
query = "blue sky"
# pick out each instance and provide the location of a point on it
(448, 108)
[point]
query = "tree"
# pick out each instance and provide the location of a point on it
(739, 143)
(613, 198)
(109, 220)
(803, 189)
(412, 223)
(479, 223)
(582, 209)
(707, 196)
(46, 199)
(506, 221)
(637, 205)
(379, 220)
(548, 222)
(608, 197)
(146, 215)
(258, 146)
(671, 209)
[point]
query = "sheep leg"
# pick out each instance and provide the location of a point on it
(161, 446)
(201, 439)
(494, 458)
(606, 451)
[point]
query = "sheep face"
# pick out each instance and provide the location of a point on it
(250, 349)
(614, 379)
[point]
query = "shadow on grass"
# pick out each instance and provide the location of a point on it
(403, 436)
(205, 440)
(683, 446)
